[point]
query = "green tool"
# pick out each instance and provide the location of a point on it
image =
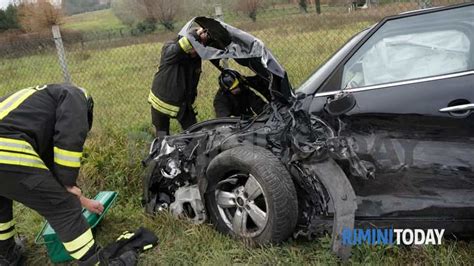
(56, 251)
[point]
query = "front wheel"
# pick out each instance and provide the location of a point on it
(251, 195)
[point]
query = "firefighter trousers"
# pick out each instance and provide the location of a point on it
(161, 121)
(40, 191)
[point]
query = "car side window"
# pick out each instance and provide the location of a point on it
(413, 47)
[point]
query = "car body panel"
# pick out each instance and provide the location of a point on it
(423, 158)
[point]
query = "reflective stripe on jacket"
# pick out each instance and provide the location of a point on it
(175, 83)
(44, 128)
(163, 107)
(19, 152)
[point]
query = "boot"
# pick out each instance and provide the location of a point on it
(129, 258)
(94, 256)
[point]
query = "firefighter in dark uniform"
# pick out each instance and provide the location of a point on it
(42, 133)
(235, 98)
(174, 87)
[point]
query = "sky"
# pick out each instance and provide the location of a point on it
(4, 3)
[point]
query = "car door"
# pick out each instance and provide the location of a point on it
(413, 80)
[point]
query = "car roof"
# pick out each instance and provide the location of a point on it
(425, 11)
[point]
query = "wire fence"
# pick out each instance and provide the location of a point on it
(117, 66)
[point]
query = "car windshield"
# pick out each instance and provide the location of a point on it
(317, 78)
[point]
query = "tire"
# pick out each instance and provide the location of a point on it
(245, 172)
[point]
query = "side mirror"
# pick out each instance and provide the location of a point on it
(340, 104)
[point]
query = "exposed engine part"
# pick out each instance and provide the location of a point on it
(188, 204)
(171, 170)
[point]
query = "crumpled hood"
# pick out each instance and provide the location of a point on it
(244, 48)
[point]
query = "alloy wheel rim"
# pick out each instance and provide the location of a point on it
(242, 204)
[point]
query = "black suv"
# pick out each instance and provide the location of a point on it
(382, 134)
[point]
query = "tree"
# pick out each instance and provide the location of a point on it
(146, 13)
(38, 16)
(318, 6)
(162, 11)
(303, 6)
(9, 18)
(250, 7)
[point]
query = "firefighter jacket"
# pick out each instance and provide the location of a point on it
(246, 103)
(44, 128)
(175, 84)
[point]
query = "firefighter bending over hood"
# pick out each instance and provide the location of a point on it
(235, 98)
(174, 87)
(42, 133)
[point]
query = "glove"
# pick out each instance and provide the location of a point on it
(139, 241)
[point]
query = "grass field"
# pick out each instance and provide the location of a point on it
(103, 20)
(119, 79)
(93, 21)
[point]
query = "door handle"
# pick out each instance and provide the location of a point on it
(458, 108)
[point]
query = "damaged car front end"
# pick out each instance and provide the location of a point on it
(197, 174)
(181, 167)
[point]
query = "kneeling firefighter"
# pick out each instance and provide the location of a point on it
(235, 98)
(42, 133)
